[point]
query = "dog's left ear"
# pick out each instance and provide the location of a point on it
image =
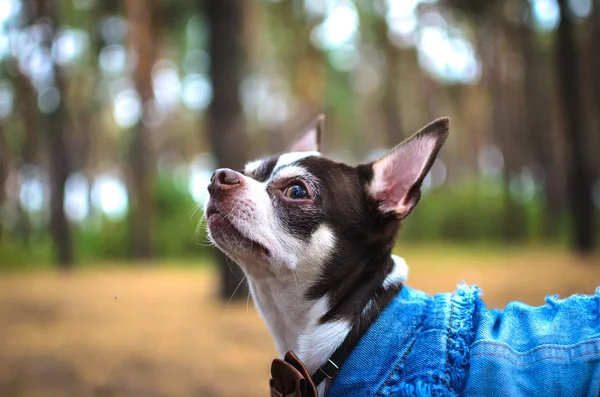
(397, 177)
(311, 138)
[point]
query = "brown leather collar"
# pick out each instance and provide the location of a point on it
(290, 378)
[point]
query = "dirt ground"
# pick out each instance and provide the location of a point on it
(159, 331)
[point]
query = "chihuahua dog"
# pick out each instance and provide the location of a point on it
(315, 237)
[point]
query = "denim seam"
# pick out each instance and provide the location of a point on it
(542, 347)
(507, 358)
(395, 370)
(415, 326)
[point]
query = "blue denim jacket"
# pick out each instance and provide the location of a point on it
(451, 345)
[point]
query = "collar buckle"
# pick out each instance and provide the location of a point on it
(335, 371)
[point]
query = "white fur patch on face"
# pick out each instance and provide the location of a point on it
(316, 252)
(289, 158)
(291, 171)
(399, 273)
(255, 217)
(252, 166)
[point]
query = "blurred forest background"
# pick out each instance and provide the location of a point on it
(114, 113)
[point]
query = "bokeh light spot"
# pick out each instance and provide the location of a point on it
(490, 161)
(6, 99)
(196, 91)
(76, 197)
(69, 46)
(33, 188)
(113, 59)
(127, 108)
(49, 100)
(546, 14)
(109, 195)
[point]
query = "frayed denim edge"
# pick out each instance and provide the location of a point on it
(460, 335)
(423, 388)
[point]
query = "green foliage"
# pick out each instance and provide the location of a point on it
(178, 234)
(476, 210)
(102, 239)
(18, 254)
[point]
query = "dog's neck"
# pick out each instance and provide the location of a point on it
(298, 323)
(292, 319)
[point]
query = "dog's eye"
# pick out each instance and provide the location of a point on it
(295, 192)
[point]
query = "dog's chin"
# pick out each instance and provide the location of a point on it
(230, 240)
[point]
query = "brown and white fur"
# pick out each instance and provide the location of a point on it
(315, 237)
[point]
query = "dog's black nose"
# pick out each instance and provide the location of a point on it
(222, 179)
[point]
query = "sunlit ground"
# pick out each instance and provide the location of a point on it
(160, 332)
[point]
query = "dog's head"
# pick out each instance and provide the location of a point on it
(303, 213)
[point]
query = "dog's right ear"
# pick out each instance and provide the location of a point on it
(397, 177)
(311, 138)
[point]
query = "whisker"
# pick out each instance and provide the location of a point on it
(200, 224)
(230, 268)
(295, 279)
(195, 209)
(236, 288)
(295, 273)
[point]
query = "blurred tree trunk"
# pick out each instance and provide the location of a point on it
(504, 119)
(594, 56)
(55, 122)
(225, 119)
(4, 167)
(538, 124)
(391, 88)
(391, 83)
(142, 41)
(393, 121)
(301, 65)
(26, 105)
(89, 132)
(578, 165)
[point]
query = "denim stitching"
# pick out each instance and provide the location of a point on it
(507, 358)
(416, 326)
(542, 347)
(395, 370)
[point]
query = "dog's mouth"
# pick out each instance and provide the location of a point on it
(228, 235)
